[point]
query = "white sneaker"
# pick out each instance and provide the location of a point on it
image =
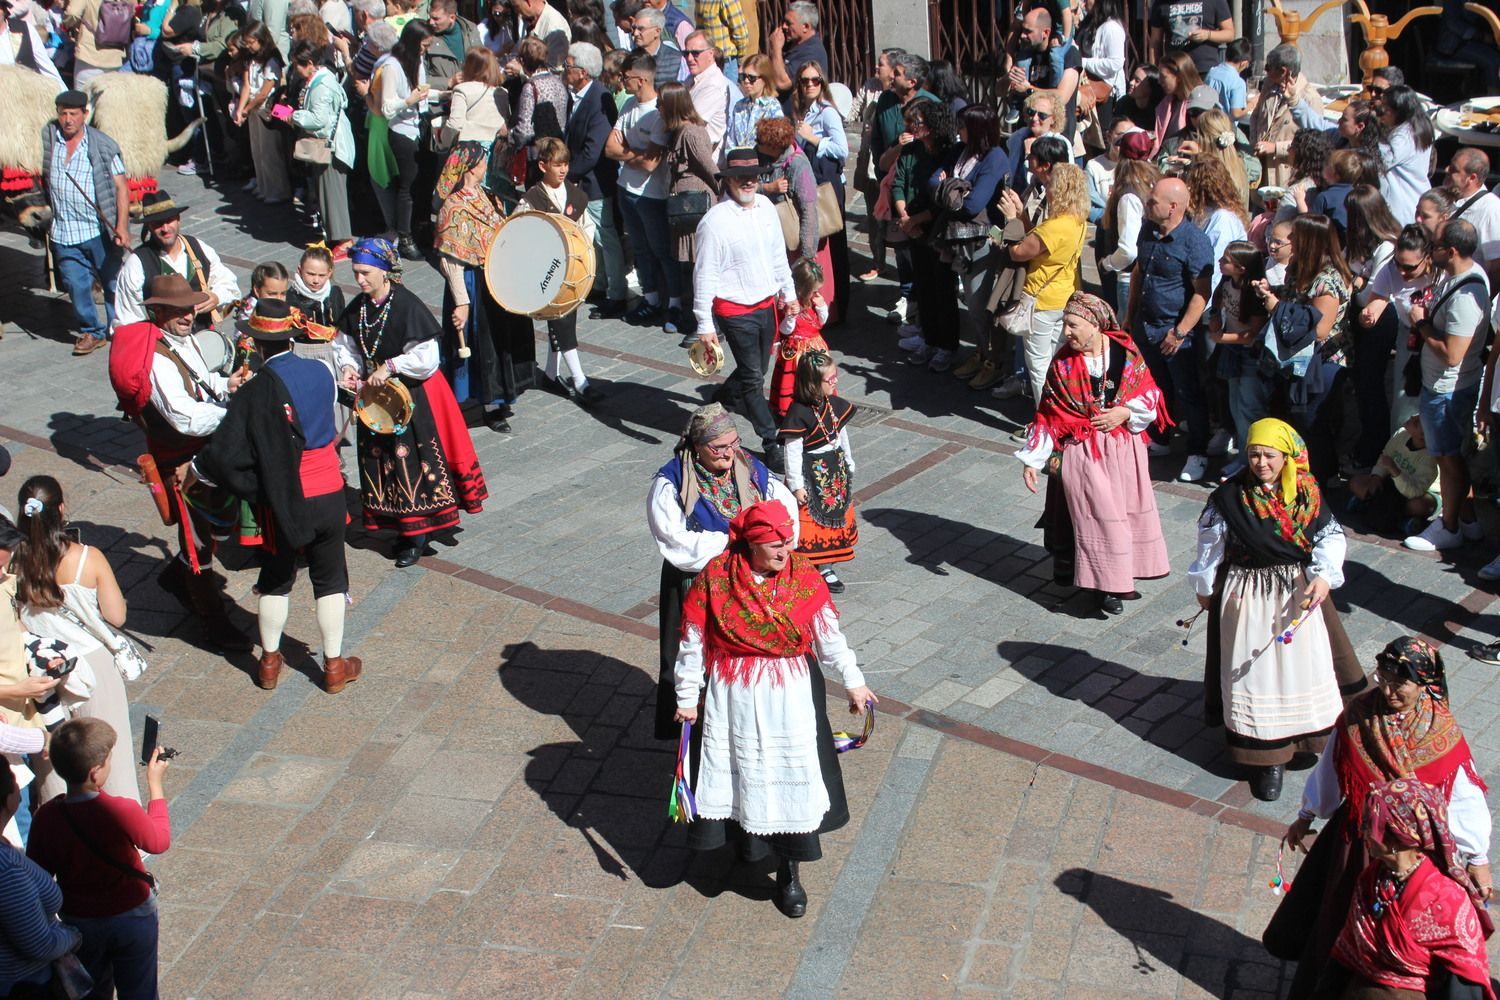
(1219, 443)
(941, 360)
(1434, 538)
(915, 342)
(1009, 389)
(1490, 570)
(920, 356)
(188, 169)
(1157, 450)
(897, 313)
(1471, 530)
(1194, 469)
(250, 186)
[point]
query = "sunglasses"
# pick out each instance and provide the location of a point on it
(693, 52)
(748, 78)
(1042, 115)
(1410, 268)
(1378, 91)
(813, 81)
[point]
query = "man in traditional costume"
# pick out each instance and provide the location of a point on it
(1278, 662)
(766, 772)
(277, 446)
(708, 481)
(165, 386)
(416, 480)
(166, 249)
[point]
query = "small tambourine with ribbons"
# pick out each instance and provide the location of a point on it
(844, 742)
(681, 807)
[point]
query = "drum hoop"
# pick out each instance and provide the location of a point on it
(555, 221)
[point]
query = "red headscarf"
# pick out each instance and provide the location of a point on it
(761, 524)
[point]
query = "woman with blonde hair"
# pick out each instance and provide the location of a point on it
(480, 105)
(759, 101)
(1214, 138)
(1051, 253)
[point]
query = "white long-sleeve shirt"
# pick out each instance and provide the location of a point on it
(1128, 215)
(192, 412)
(1108, 60)
(404, 119)
(710, 93)
(131, 289)
(691, 550)
(10, 45)
(1468, 815)
(1329, 547)
(419, 360)
(829, 644)
(741, 258)
(1143, 409)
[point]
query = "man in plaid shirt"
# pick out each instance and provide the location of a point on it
(723, 21)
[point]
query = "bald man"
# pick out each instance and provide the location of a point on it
(1176, 262)
(1464, 178)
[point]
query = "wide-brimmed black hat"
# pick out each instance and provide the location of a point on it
(272, 319)
(742, 162)
(158, 207)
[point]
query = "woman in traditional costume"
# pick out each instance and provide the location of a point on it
(708, 481)
(1403, 728)
(765, 773)
(1100, 521)
(1415, 926)
(415, 481)
(820, 466)
(1279, 663)
(502, 360)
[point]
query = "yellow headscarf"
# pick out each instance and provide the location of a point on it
(1278, 434)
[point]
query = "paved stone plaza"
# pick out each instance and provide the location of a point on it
(1040, 811)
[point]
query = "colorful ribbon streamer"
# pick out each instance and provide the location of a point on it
(844, 742)
(1280, 885)
(681, 808)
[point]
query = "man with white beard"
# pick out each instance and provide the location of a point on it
(740, 271)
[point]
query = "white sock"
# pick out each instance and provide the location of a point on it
(652, 299)
(271, 614)
(331, 624)
(576, 367)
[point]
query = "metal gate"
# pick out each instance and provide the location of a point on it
(848, 32)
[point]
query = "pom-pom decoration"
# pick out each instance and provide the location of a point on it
(1280, 884)
(681, 808)
(1188, 624)
(1285, 638)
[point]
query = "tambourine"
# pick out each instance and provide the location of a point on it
(706, 357)
(386, 408)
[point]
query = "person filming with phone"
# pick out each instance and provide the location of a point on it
(91, 841)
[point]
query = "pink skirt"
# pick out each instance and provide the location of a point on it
(1116, 530)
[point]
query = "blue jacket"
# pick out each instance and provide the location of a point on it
(984, 184)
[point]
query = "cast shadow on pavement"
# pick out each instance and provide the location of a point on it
(1170, 938)
(1164, 711)
(97, 443)
(936, 543)
(25, 303)
(1405, 608)
(611, 783)
(913, 389)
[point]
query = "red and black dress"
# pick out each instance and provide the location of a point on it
(819, 461)
(414, 482)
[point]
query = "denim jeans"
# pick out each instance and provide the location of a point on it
(610, 256)
(78, 267)
(1177, 378)
(120, 951)
(1249, 401)
(651, 240)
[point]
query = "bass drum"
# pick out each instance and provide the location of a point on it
(217, 350)
(540, 265)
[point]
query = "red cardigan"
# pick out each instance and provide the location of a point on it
(92, 887)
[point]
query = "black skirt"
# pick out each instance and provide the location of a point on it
(674, 585)
(502, 362)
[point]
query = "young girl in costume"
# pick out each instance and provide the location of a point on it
(819, 464)
(798, 334)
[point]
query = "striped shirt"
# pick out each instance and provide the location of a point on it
(75, 219)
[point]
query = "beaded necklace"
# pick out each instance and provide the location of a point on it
(366, 326)
(1388, 886)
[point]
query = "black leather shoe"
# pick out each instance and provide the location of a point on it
(610, 309)
(407, 555)
(407, 248)
(835, 585)
(1266, 785)
(588, 397)
(775, 458)
(791, 898)
(497, 423)
(1111, 604)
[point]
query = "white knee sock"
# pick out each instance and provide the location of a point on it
(652, 299)
(271, 614)
(576, 368)
(331, 624)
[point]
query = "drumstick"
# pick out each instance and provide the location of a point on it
(463, 344)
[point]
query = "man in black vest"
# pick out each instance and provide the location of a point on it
(165, 249)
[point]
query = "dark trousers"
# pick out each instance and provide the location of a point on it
(1177, 378)
(936, 287)
(120, 951)
(748, 338)
(406, 166)
(326, 566)
(1372, 363)
(562, 333)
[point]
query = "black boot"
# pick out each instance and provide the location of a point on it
(407, 247)
(791, 898)
(1266, 785)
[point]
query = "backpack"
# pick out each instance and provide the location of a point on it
(131, 351)
(115, 25)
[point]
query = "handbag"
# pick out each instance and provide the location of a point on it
(127, 654)
(311, 149)
(1015, 319)
(70, 980)
(830, 219)
(686, 208)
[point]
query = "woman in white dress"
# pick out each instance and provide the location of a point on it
(766, 771)
(1269, 553)
(84, 612)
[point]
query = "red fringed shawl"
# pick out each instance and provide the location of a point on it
(1374, 746)
(1068, 400)
(747, 626)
